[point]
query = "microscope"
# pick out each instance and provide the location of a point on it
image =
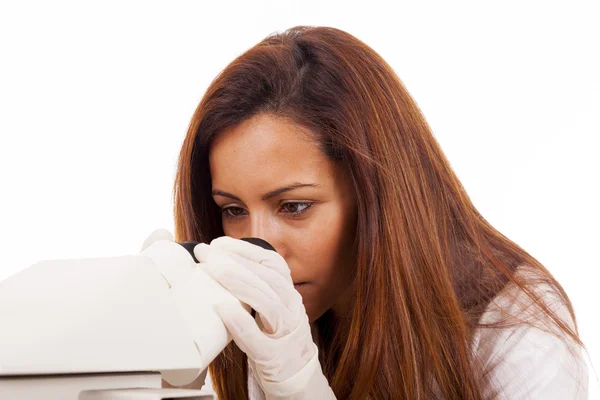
(111, 328)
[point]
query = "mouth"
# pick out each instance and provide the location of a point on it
(299, 285)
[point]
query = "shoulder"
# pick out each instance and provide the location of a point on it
(531, 358)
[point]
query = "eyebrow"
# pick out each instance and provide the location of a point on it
(269, 195)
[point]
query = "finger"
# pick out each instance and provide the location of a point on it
(158, 234)
(270, 315)
(249, 289)
(280, 285)
(243, 329)
(201, 251)
(255, 253)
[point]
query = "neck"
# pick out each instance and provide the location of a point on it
(342, 309)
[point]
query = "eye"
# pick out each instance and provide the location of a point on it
(295, 208)
(292, 209)
(232, 212)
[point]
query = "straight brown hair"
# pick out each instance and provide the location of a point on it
(427, 263)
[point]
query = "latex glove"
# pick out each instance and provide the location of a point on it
(158, 234)
(193, 292)
(278, 343)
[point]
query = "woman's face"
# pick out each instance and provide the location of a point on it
(272, 182)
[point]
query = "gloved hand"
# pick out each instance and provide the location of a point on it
(278, 343)
(193, 293)
(155, 236)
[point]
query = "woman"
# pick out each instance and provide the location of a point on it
(310, 141)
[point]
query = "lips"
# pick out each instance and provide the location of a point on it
(299, 284)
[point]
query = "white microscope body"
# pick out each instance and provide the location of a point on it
(110, 328)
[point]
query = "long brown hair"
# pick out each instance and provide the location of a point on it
(427, 263)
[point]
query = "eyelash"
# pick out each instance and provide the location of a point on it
(224, 211)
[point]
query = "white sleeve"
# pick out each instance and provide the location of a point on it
(208, 386)
(537, 365)
(527, 362)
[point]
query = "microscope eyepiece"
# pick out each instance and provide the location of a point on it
(189, 246)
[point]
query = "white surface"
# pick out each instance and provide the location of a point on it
(110, 315)
(150, 312)
(68, 387)
(95, 100)
(146, 394)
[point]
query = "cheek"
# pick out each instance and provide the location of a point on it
(322, 260)
(318, 248)
(232, 230)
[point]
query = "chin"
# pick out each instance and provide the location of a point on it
(314, 310)
(314, 314)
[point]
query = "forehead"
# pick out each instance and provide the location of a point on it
(267, 150)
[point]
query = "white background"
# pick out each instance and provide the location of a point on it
(95, 100)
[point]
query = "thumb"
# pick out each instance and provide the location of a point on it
(158, 234)
(243, 329)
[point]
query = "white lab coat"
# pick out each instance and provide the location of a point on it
(531, 362)
(520, 362)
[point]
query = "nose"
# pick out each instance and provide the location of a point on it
(265, 228)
